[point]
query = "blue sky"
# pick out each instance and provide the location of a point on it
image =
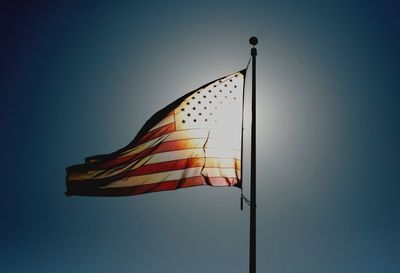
(79, 79)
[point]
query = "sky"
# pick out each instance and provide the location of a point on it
(80, 78)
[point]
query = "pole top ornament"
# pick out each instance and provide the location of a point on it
(253, 40)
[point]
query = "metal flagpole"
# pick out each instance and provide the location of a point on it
(252, 259)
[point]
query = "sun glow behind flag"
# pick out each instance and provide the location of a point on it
(196, 140)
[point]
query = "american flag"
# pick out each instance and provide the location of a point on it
(196, 140)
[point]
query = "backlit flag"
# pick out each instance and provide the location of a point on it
(196, 140)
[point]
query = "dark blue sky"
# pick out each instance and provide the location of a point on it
(79, 79)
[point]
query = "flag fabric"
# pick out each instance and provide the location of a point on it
(196, 140)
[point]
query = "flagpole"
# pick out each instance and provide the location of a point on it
(252, 258)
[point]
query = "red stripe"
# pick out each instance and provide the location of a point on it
(162, 186)
(162, 147)
(96, 164)
(174, 165)
(171, 165)
(149, 136)
(157, 133)
(176, 145)
(167, 166)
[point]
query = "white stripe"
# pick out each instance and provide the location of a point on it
(150, 159)
(189, 153)
(158, 158)
(224, 153)
(155, 178)
(193, 143)
(200, 133)
(220, 172)
(182, 135)
(178, 135)
(175, 155)
(185, 134)
(221, 162)
(171, 175)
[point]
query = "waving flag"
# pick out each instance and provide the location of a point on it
(196, 140)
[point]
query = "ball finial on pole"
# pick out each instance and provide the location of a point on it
(253, 41)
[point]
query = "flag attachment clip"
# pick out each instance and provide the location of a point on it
(244, 198)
